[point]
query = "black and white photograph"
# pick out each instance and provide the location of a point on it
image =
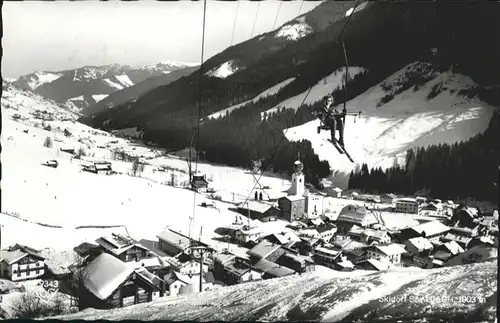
(324, 161)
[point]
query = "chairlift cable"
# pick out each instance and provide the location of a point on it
(300, 8)
(298, 108)
(277, 14)
(255, 18)
(199, 110)
(234, 24)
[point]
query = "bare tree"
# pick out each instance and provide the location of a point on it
(81, 152)
(30, 306)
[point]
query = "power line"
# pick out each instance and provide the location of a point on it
(199, 109)
(298, 108)
(300, 8)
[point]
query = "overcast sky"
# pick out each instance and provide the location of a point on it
(56, 35)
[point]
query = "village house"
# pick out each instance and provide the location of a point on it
(373, 264)
(388, 198)
(445, 252)
(280, 256)
(432, 231)
(333, 191)
(328, 257)
(418, 246)
(123, 248)
(326, 231)
(283, 238)
(372, 236)
(271, 269)
(52, 163)
(173, 243)
(248, 234)
(259, 210)
(462, 236)
(21, 263)
(175, 281)
(386, 253)
(111, 283)
(239, 271)
(464, 217)
(407, 205)
(355, 215)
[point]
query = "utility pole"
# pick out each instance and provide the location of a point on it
(201, 250)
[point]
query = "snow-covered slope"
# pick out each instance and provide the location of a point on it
(398, 114)
(66, 206)
(88, 81)
(271, 91)
(461, 293)
(224, 70)
(294, 30)
(318, 91)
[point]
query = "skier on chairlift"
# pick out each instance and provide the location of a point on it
(331, 119)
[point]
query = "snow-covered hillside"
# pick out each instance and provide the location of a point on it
(271, 91)
(36, 79)
(318, 91)
(295, 30)
(461, 293)
(66, 206)
(224, 70)
(397, 115)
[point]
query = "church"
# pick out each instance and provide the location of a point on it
(300, 203)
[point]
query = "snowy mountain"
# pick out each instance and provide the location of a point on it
(88, 85)
(132, 92)
(461, 293)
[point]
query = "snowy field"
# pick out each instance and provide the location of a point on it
(56, 202)
(461, 293)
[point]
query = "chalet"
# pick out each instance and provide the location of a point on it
(283, 238)
(355, 232)
(259, 210)
(293, 207)
(271, 269)
(326, 231)
(333, 191)
(373, 264)
(432, 207)
(123, 248)
(344, 265)
(432, 230)
(370, 236)
(21, 263)
(199, 183)
(445, 252)
(239, 271)
(307, 244)
(355, 215)
(327, 257)
(103, 168)
(172, 243)
(418, 245)
(85, 248)
(356, 255)
(111, 283)
(294, 261)
(174, 281)
(387, 253)
(266, 250)
(464, 217)
(406, 205)
(388, 198)
(481, 241)
(248, 234)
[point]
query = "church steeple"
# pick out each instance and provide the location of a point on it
(298, 184)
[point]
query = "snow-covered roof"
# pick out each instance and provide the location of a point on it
(294, 198)
(174, 238)
(105, 274)
(376, 234)
(407, 200)
(117, 246)
(452, 247)
(389, 250)
(431, 228)
(420, 243)
(272, 268)
(11, 257)
(255, 206)
(379, 265)
(263, 249)
(326, 251)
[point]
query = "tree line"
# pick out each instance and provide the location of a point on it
(458, 171)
